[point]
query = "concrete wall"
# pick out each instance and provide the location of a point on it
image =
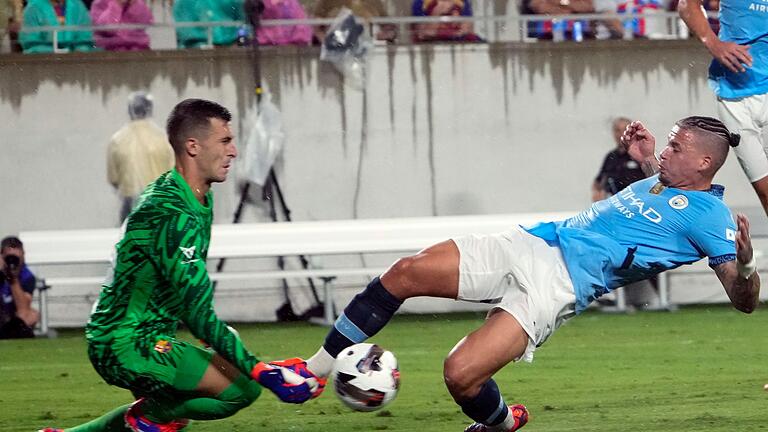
(439, 130)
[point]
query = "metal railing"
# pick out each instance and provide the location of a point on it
(511, 28)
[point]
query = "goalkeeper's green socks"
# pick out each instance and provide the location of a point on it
(112, 421)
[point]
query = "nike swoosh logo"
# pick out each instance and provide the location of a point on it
(191, 261)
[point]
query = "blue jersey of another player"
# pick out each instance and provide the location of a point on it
(641, 231)
(744, 22)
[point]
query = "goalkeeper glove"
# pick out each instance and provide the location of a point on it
(287, 384)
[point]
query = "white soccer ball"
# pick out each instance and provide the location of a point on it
(366, 377)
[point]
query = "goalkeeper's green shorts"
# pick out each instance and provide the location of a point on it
(169, 367)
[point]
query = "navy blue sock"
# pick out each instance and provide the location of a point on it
(365, 315)
(487, 407)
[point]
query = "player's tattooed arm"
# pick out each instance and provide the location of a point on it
(740, 278)
(640, 144)
(650, 166)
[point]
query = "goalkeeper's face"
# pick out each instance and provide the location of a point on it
(217, 150)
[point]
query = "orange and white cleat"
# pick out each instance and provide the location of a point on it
(519, 413)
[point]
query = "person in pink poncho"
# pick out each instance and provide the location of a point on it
(106, 12)
(285, 34)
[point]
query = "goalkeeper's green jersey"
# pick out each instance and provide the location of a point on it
(158, 278)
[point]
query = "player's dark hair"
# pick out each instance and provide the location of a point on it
(11, 242)
(711, 125)
(191, 117)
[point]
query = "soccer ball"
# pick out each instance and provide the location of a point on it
(366, 377)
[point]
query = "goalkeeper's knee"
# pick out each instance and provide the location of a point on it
(240, 394)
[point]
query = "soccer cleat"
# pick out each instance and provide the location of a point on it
(519, 413)
(299, 367)
(135, 420)
(51, 430)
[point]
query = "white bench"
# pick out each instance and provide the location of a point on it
(257, 240)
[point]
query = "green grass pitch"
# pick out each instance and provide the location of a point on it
(698, 369)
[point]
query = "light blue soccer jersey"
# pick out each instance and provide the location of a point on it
(744, 22)
(641, 231)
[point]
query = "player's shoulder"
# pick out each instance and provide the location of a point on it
(711, 199)
(710, 206)
(163, 200)
(156, 219)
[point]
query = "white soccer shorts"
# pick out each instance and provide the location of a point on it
(520, 274)
(749, 117)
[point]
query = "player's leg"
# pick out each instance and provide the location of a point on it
(112, 421)
(432, 272)
(761, 123)
(529, 283)
(204, 387)
(184, 382)
(740, 117)
(474, 360)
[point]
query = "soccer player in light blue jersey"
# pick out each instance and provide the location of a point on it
(537, 277)
(739, 76)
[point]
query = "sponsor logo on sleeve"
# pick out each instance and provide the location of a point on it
(730, 234)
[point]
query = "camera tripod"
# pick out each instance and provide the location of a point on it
(271, 188)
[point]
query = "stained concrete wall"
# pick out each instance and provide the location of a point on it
(438, 130)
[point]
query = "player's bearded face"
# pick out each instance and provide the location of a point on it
(218, 151)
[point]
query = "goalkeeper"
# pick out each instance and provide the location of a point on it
(159, 278)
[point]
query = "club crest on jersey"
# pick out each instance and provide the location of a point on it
(678, 202)
(163, 346)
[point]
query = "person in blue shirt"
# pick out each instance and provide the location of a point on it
(17, 284)
(738, 75)
(537, 277)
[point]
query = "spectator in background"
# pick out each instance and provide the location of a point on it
(549, 29)
(618, 171)
(11, 13)
(641, 27)
(138, 153)
(106, 12)
(207, 11)
(287, 34)
(17, 284)
(39, 13)
(452, 31)
(365, 9)
(570, 29)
